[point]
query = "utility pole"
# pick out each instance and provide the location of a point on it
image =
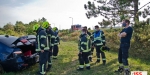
(72, 23)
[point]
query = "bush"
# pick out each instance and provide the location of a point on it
(74, 34)
(1, 32)
(139, 49)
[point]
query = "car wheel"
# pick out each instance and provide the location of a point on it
(1, 69)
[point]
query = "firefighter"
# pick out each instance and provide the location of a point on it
(51, 39)
(57, 41)
(84, 49)
(99, 41)
(41, 47)
(91, 38)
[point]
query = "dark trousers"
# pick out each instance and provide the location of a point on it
(43, 57)
(92, 50)
(49, 56)
(55, 50)
(83, 58)
(123, 53)
(98, 52)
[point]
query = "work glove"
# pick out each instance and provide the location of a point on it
(104, 43)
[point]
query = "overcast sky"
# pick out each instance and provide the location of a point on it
(55, 11)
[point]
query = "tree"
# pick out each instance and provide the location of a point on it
(29, 27)
(1, 32)
(43, 19)
(89, 28)
(19, 27)
(116, 10)
(1, 28)
(9, 26)
(40, 21)
(19, 23)
(104, 23)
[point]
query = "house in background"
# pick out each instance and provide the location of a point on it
(76, 27)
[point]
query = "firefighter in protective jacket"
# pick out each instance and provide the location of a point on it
(51, 39)
(99, 41)
(42, 47)
(56, 42)
(84, 49)
(89, 36)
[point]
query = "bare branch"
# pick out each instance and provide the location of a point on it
(144, 5)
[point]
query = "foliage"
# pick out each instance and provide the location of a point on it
(142, 45)
(89, 28)
(1, 32)
(8, 26)
(104, 23)
(20, 28)
(116, 10)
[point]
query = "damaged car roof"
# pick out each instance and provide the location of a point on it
(12, 40)
(8, 40)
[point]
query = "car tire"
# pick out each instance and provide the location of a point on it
(1, 69)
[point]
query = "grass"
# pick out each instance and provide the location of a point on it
(67, 63)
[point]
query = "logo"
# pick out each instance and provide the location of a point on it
(138, 72)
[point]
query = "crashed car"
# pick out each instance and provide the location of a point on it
(17, 53)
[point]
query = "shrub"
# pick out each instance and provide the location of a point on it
(139, 49)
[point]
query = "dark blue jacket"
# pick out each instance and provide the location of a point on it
(51, 37)
(127, 38)
(41, 39)
(57, 40)
(85, 43)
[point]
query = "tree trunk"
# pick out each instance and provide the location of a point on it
(136, 20)
(136, 17)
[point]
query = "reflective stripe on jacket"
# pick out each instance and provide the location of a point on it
(42, 40)
(57, 40)
(85, 43)
(51, 37)
(99, 38)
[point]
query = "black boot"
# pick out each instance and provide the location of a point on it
(38, 73)
(120, 69)
(49, 67)
(42, 74)
(88, 67)
(104, 62)
(79, 69)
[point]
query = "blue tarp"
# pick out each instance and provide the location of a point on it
(5, 51)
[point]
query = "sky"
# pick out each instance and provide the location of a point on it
(57, 12)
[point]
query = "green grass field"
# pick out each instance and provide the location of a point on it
(67, 63)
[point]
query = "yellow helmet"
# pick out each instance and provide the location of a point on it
(55, 28)
(35, 27)
(45, 25)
